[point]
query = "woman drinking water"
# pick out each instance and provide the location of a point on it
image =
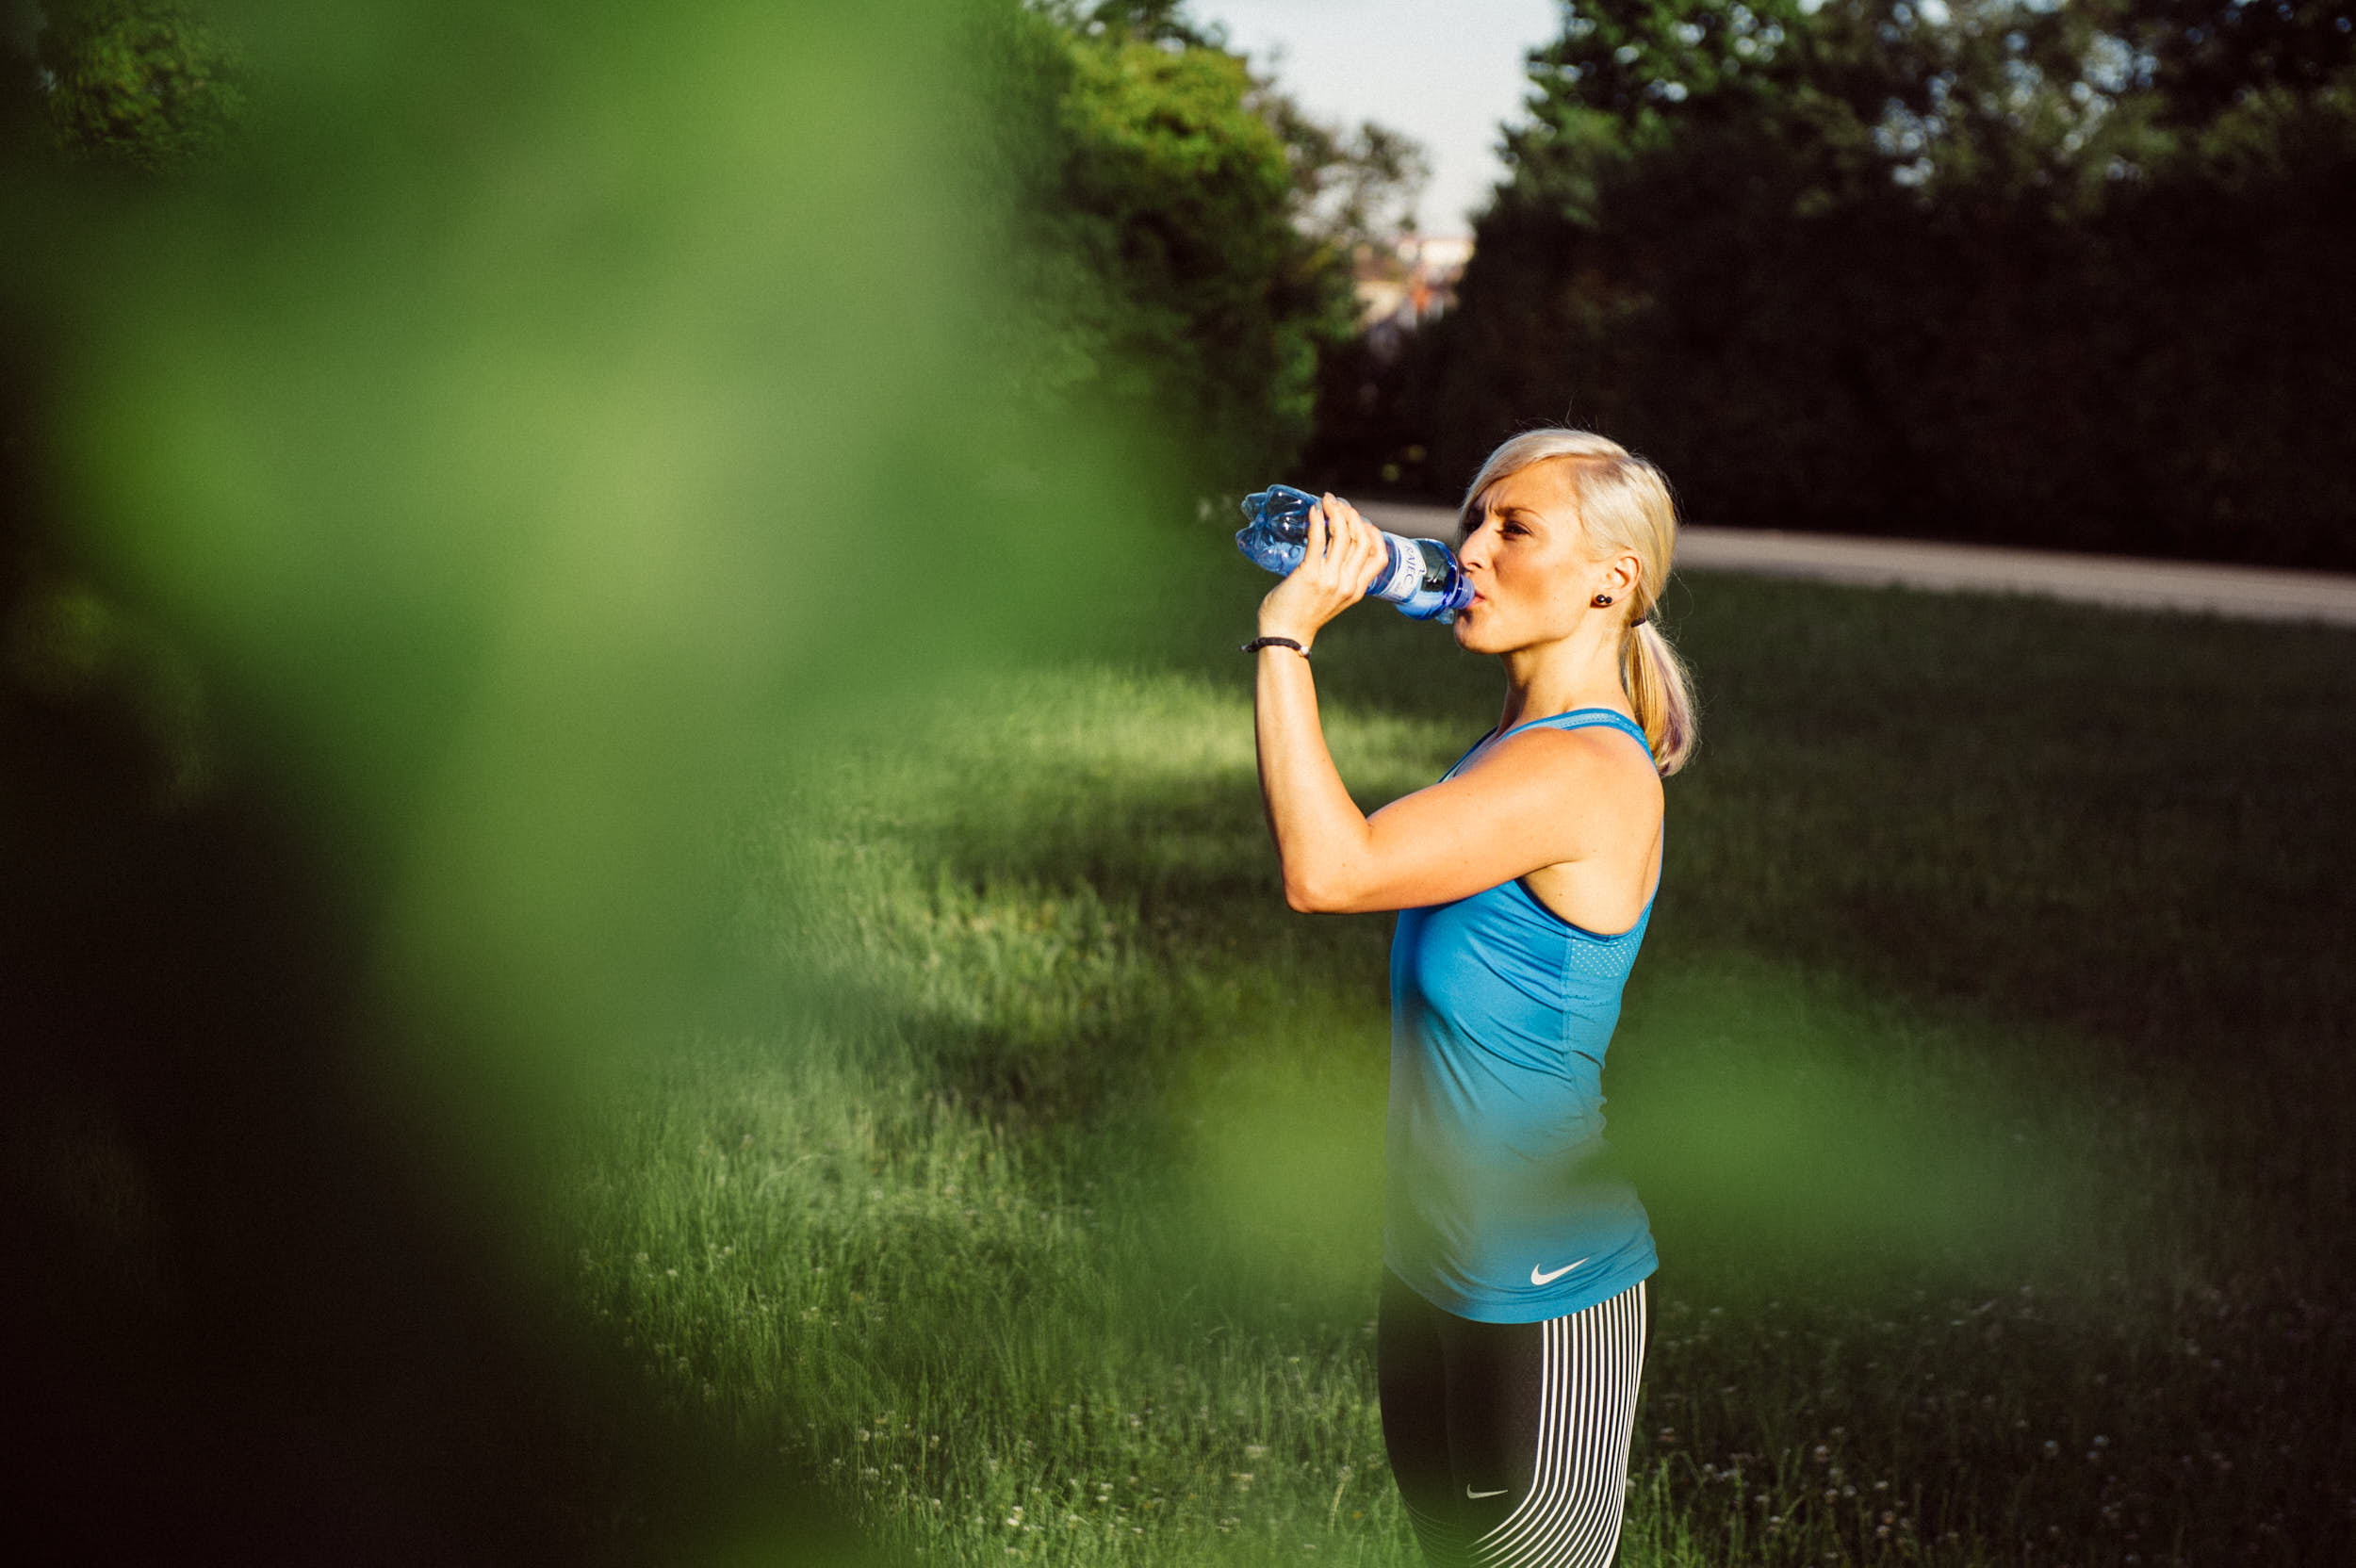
(1512, 1320)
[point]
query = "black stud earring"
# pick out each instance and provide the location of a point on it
(1602, 601)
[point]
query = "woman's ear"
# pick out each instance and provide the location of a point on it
(1622, 573)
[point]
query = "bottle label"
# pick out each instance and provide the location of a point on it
(1403, 579)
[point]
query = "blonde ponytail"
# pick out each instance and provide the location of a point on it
(1624, 504)
(1660, 691)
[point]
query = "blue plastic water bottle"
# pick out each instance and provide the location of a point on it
(1421, 576)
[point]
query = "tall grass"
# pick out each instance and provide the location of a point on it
(1985, 1072)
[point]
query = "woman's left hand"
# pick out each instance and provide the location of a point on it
(1344, 554)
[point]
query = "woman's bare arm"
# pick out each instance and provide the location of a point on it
(1542, 797)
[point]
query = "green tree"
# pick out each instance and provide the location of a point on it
(2045, 274)
(1191, 231)
(143, 84)
(1178, 196)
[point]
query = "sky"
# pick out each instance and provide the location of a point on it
(1446, 71)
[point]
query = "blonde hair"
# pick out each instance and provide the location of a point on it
(1624, 504)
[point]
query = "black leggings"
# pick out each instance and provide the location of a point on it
(1510, 1440)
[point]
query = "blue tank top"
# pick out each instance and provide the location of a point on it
(1502, 1204)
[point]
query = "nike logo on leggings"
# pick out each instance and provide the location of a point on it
(1475, 1496)
(1554, 1274)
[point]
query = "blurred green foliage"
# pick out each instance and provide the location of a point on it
(1178, 229)
(469, 448)
(514, 415)
(473, 446)
(2068, 275)
(148, 86)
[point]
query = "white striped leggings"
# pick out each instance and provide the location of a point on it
(1510, 1440)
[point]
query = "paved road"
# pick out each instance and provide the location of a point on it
(2247, 593)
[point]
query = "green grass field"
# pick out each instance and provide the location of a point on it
(1985, 1073)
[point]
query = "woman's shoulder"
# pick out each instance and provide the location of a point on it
(1601, 737)
(1599, 763)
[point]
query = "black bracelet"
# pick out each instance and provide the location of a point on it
(1258, 643)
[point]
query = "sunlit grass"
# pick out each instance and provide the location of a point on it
(1047, 1221)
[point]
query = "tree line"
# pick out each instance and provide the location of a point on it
(2072, 275)
(2064, 274)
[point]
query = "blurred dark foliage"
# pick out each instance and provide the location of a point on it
(2069, 276)
(250, 1312)
(248, 1315)
(243, 1322)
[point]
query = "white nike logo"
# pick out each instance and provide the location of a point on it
(1552, 1275)
(1475, 1496)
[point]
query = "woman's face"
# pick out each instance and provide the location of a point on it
(1526, 555)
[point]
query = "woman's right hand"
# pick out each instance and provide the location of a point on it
(1342, 557)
